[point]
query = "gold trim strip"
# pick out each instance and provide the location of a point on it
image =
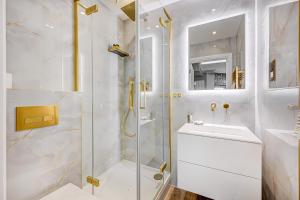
(76, 59)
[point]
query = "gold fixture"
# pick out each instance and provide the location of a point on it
(131, 94)
(31, 117)
(143, 88)
(177, 94)
(226, 106)
(88, 11)
(273, 70)
(158, 176)
(163, 167)
(213, 107)
(129, 10)
(93, 181)
(237, 77)
(115, 48)
(168, 24)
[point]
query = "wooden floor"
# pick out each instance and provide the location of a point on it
(178, 194)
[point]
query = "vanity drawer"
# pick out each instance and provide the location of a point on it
(216, 184)
(233, 156)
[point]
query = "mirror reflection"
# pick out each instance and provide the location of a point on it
(283, 45)
(217, 55)
(146, 63)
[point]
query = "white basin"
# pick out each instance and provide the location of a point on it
(219, 161)
(240, 133)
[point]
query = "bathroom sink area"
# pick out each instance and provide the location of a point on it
(219, 161)
(240, 133)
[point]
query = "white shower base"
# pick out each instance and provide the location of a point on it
(119, 182)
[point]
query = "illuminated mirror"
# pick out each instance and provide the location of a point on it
(146, 62)
(283, 45)
(217, 55)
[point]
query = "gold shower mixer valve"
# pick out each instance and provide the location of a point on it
(226, 106)
(213, 107)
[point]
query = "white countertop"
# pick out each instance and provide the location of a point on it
(238, 133)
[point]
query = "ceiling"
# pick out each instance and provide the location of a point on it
(225, 28)
(146, 5)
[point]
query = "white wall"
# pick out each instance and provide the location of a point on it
(2, 101)
(241, 102)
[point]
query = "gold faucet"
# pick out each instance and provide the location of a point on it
(226, 106)
(213, 107)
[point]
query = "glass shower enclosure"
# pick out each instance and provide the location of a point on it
(126, 98)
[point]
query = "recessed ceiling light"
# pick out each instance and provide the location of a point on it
(214, 32)
(213, 10)
(49, 26)
(157, 26)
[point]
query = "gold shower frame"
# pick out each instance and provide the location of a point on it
(168, 24)
(87, 11)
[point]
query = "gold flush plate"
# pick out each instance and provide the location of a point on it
(31, 117)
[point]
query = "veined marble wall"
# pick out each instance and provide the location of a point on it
(39, 54)
(39, 44)
(283, 44)
(40, 161)
(280, 165)
(279, 169)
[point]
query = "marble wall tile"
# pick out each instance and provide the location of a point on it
(280, 165)
(283, 44)
(39, 43)
(42, 160)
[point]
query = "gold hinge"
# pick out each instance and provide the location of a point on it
(163, 167)
(93, 181)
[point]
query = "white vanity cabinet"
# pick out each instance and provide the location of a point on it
(219, 162)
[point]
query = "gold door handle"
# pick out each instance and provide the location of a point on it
(131, 95)
(143, 89)
(163, 167)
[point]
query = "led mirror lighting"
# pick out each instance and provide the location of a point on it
(213, 62)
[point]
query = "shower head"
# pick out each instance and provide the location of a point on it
(129, 10)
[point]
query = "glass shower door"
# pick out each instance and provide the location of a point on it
(154, 101)
(114, 107)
